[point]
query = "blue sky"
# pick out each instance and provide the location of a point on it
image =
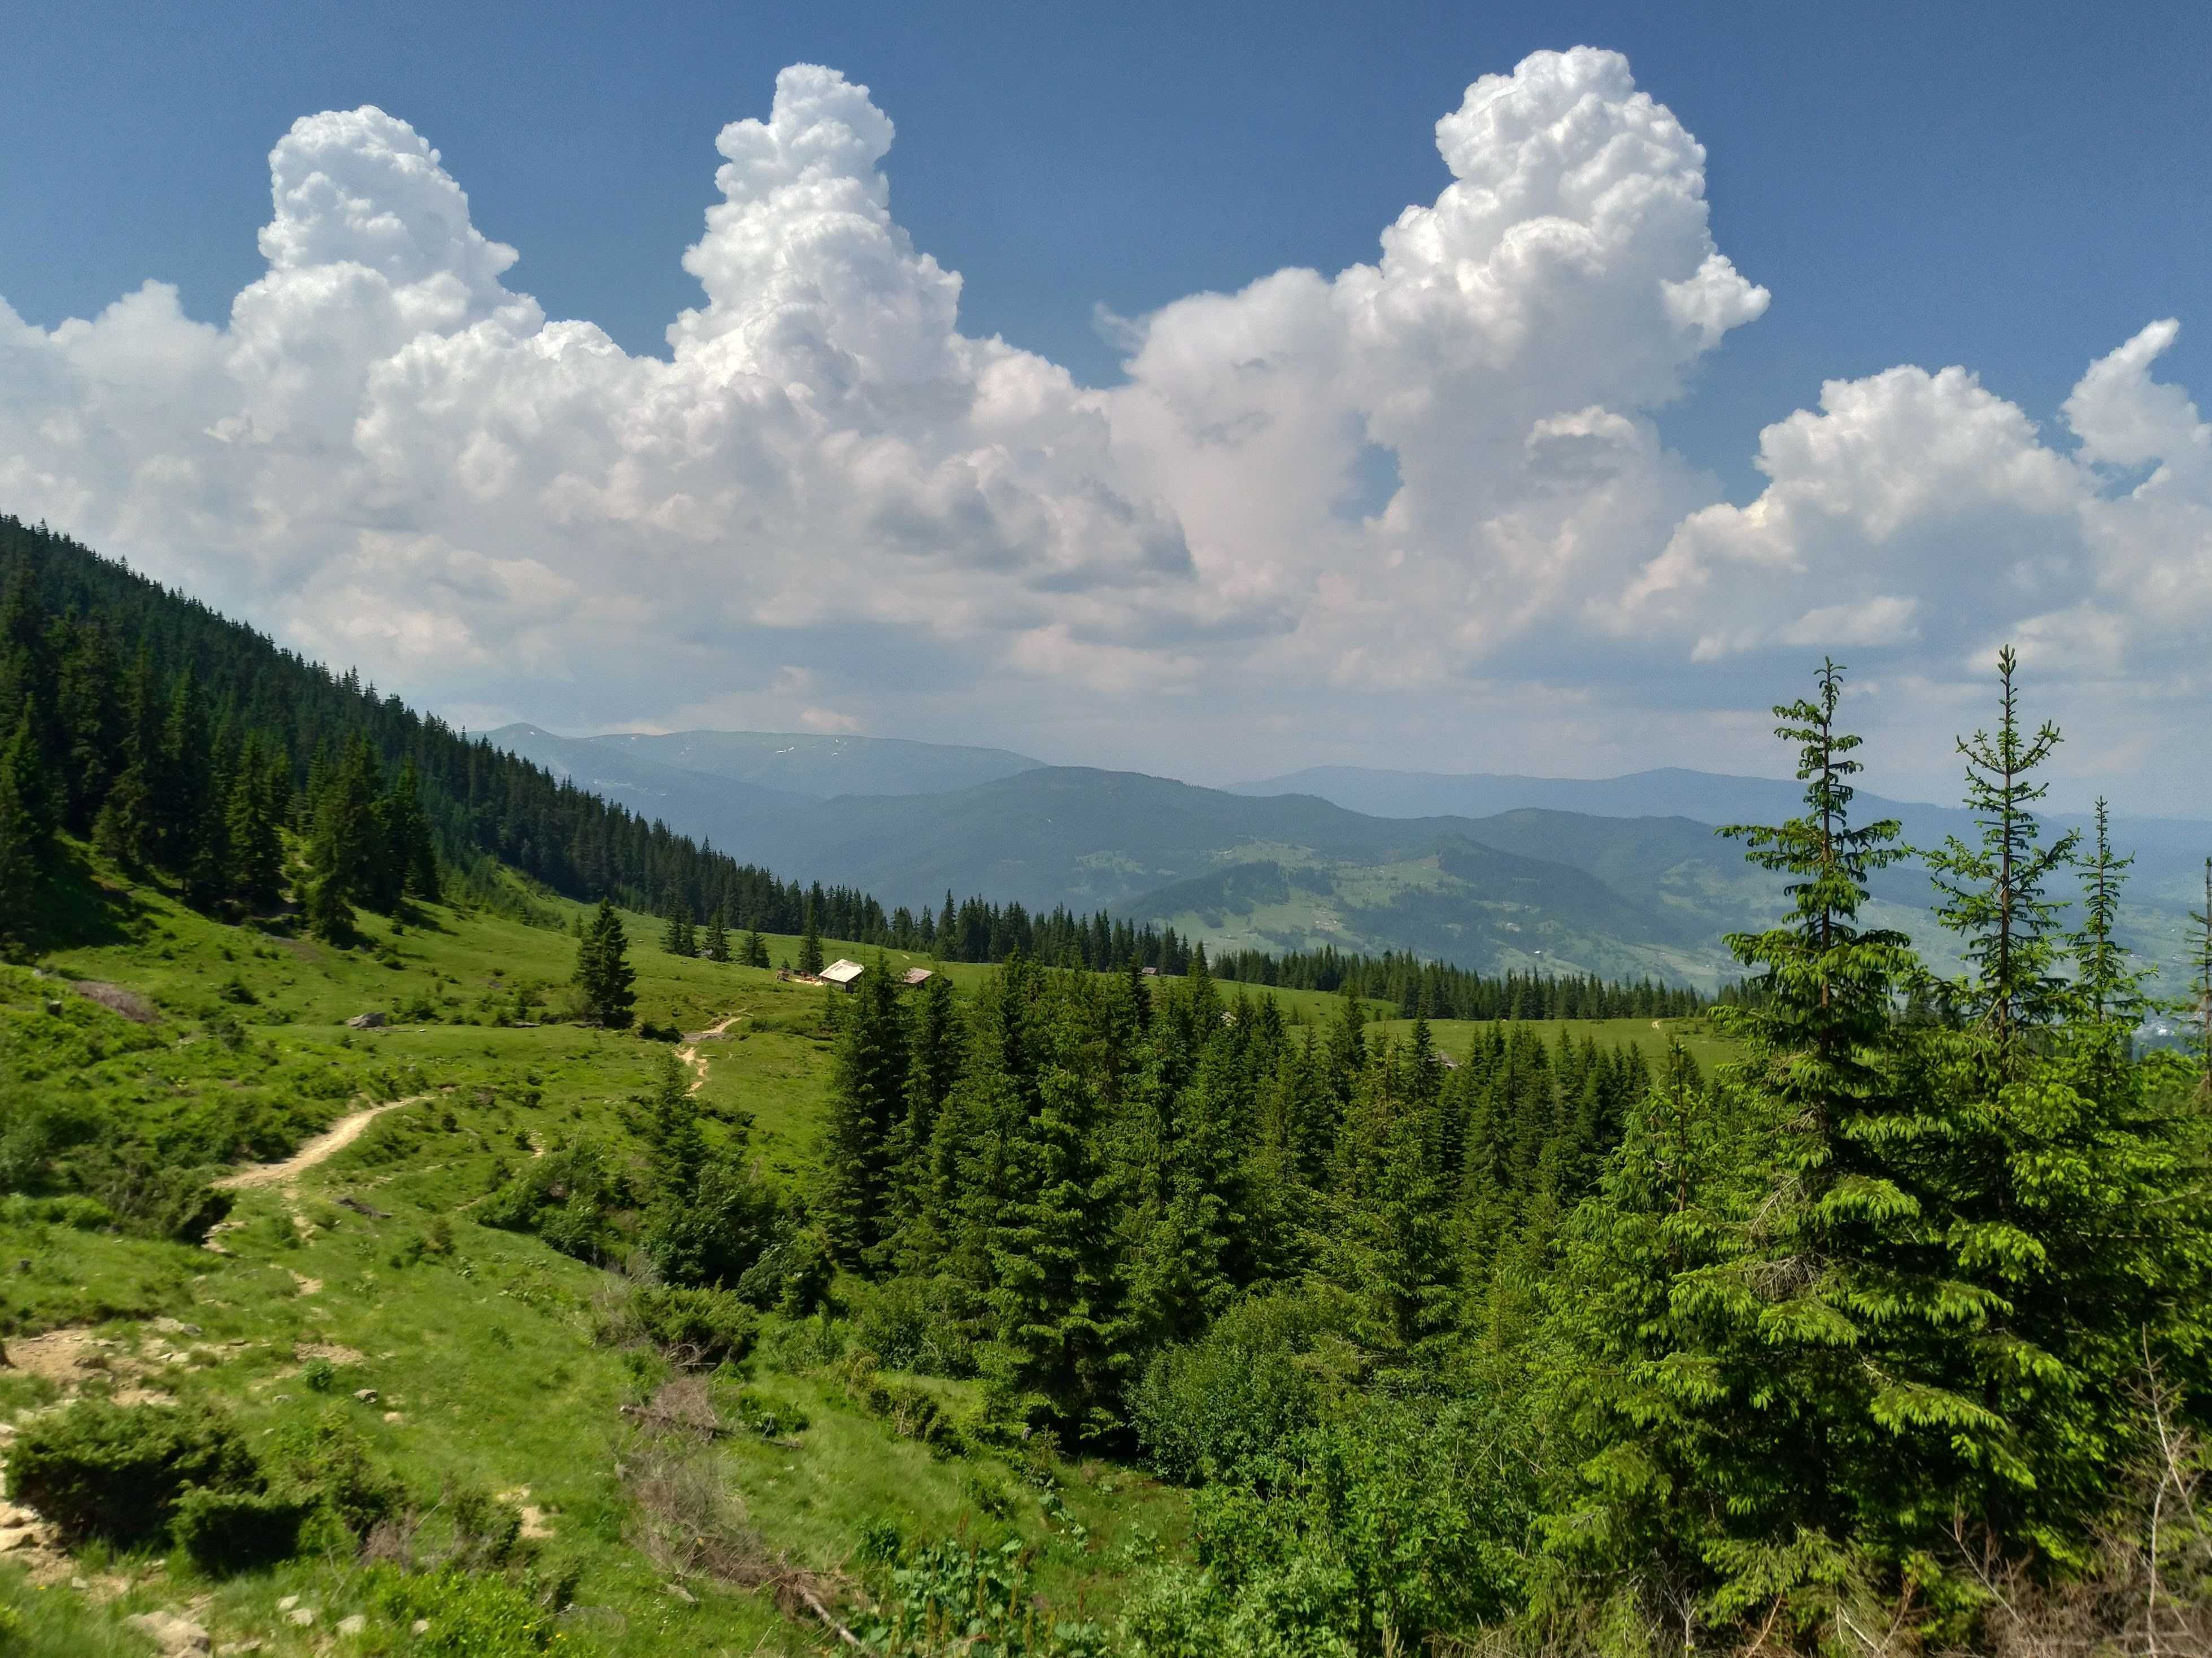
(2018, 190)
(2014, 187)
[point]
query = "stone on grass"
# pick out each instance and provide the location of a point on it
(176, 1634)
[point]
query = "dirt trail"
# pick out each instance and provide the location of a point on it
(691, 1055)
(327, 1145)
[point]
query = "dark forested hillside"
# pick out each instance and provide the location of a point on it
(100, 659)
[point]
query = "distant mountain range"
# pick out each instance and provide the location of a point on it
(1622, 876)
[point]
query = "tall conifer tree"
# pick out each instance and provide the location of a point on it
(867, 1098)
(809, 942)
(1995, 892)
(257, 850)
(603, 970)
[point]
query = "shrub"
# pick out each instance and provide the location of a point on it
(792, 1274)
(1207, 1409)
(154, 1199)
(771, 1418)
(106, 1471)
(696, 1328)
(232, 1531)
(715, 1232)
(918, 1324)
(485, 1530)
(328, 1460)
(567, 1197)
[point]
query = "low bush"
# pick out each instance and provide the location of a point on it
(793, 1274)
(918, 1324)
(718, 1231)
(910, 1410)
(569, 1198)
(697, 1329)
(152, 1198)
(328, 1460)
(463, 1615)
(954, 1596)
(232, 1531)
(486, 1530)
(757, 1413)
(117, 1472)
(1210, 1408)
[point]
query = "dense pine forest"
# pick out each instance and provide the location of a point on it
(1884, 1331)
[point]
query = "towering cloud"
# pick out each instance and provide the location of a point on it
(1421, 486)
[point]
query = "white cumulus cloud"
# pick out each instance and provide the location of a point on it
(830, 505)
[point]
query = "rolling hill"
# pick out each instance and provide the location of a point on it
(1533, 882)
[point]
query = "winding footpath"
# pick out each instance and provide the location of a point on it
(325, 1145)
(691, 1055)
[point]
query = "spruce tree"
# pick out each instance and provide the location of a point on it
(23, 844)
(91, 717)
(185, 779)
(1062, 1349)
(410, 855)
(1770, 1411)
(2109, 988)
(348, 856)
(207, 867)
(34, 803)
(675, 1148)
(718, 937)
(867, 1098)
(1661, 1362)
(755, 950)
(809, 943)
(603, 970)
(933, 1065)
(123, 829)
(256, 846)
(1994, 892)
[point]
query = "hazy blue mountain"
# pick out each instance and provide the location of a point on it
(812, 764)
(1529, 886)
(1671, 792)
(2170, 852)
(692, 802)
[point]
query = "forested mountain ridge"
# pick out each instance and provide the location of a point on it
(1624, 877)
(1286, 873)
(2168, 852)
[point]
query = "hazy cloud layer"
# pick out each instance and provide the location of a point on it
(829, 507)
